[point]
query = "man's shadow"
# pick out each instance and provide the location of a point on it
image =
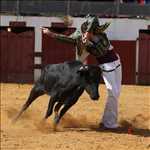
(125, 128)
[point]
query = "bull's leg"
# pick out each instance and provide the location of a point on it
(64, 110)
(52, 101)
(35, 92)
(70, 101)
(56, 109)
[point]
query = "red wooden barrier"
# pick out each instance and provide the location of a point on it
(144, 58)
(17, 59)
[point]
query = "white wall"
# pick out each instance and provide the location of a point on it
(120, 29)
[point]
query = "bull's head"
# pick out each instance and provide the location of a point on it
(91, 77)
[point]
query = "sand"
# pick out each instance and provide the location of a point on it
(78, 130)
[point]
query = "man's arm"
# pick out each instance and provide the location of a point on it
(69, 39)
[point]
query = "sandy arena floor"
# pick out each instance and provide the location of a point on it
(79, 128)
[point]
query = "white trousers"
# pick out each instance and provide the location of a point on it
(112, 75)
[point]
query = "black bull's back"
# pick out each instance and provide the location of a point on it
(65, 83)
(60, 77)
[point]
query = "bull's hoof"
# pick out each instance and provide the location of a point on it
(56, 120)
(54, 127)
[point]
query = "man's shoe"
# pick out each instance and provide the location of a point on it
(103, 127)
(117, 129)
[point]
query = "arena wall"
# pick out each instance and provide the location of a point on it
(121, 31)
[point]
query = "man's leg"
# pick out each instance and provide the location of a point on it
(113, 84)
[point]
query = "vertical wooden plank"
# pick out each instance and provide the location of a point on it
(127, 52)
(3, 55)
(144, 59)
(13, 57)
(26, 50)
(27, 55)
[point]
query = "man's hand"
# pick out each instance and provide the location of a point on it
(48, 32)
(45, 30)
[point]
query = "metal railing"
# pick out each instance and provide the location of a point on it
(73, 8)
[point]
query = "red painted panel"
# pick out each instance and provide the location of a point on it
(17, 51)
(55, 51)
(127, 52)
(3, 55)
(144, 59)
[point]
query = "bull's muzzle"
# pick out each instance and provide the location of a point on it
(96, 97)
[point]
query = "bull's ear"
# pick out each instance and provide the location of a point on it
(83, 69)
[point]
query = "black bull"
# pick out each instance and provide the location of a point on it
(65, 83)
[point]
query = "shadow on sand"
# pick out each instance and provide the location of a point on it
(124, 130)
(120, 130)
